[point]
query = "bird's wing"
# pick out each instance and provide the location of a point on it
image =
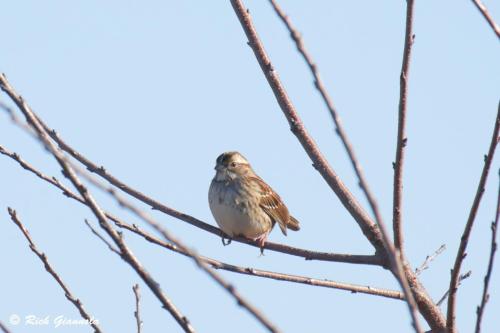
(272, 205)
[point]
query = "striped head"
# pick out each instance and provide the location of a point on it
(230, 165)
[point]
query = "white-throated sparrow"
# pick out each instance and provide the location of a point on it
(243, 204)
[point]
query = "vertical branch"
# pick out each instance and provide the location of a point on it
(455, 272)
(318, 83)
(493, 249)
(402, 139)
(48, 267)
(482, 9)
(137, 313)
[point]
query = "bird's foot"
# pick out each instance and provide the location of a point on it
(226, 240)
(261, 241)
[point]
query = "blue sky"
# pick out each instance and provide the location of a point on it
(155, 90)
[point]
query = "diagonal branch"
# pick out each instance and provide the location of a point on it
(368, 227)
(485, 297)
(455, 272)
(318, 83)
(68, 172)
(482, 9)
(4, 328)
(307, 254)
(378, 237)
(101, 237)
(402, 139)
(48, 267)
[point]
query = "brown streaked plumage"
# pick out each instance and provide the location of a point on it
(243, 204)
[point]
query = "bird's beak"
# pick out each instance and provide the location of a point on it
(218, 167)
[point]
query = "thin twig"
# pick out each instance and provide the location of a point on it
(482, 8)
(101, 237)
(339, 128)
(303, 253)
(455, 272)
(485, 297)
(460, 279)
(377, 236)
(402, 139)
(69, 173)
(48, 267)
(429, 259)
(137, 314)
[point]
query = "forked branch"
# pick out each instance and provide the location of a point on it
(405, 276)
(69, 173)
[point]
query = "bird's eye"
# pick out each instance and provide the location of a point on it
(233, 164)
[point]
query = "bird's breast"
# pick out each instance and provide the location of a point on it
(237, 213)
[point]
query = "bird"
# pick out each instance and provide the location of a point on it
(243, 204)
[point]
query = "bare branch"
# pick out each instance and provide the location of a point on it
(377, 237)
(137, 314)
(429, 259)
(461, 278)
(402, 139)
(339, 129)
(368, 227)
(101, 237)
(455, 272)
(266, 274)
(482, 8)
(307, 254)
(68, 172)
(216, 264)
(493, 249)
(48, 267)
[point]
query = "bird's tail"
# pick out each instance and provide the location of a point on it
(293, 224)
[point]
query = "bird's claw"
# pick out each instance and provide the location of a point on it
(226, 241)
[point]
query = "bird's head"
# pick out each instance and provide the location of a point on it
(230, 165)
